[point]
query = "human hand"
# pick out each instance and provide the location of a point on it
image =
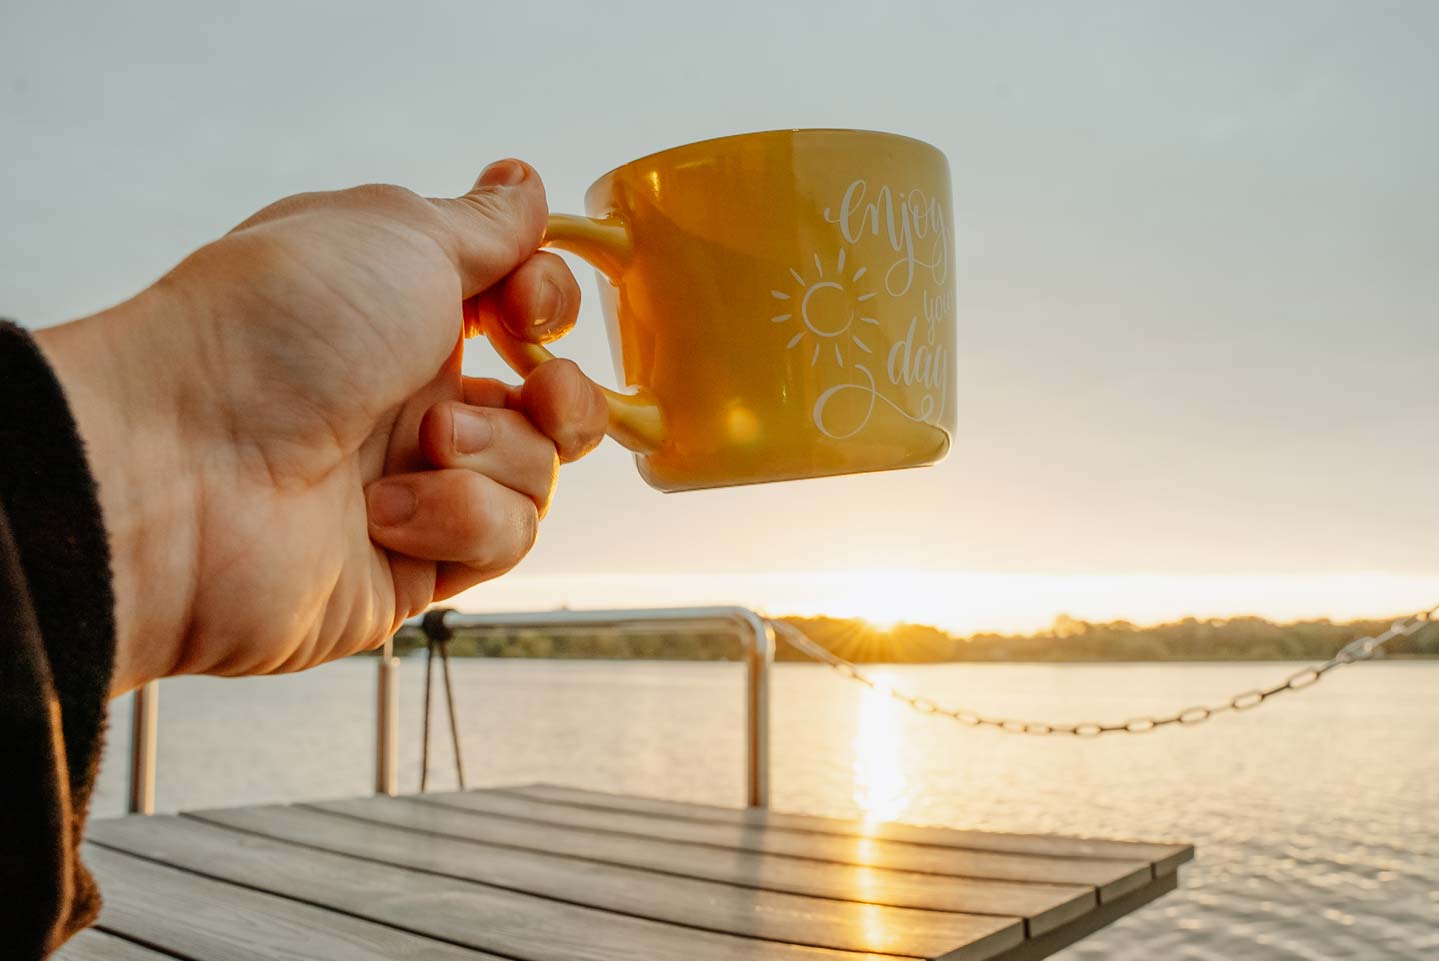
(290, 461)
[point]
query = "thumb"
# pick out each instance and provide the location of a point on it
(496, 226)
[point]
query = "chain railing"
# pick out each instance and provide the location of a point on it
(1360, 649)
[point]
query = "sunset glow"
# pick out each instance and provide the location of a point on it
(965, 602)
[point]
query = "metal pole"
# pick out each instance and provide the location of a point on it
(454, 718)
(425, 721)
(387, 691)
(759, 655)
(144, 726)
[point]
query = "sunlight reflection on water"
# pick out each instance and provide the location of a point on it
(881, 789)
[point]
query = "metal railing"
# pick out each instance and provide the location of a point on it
(753, 631)
(758, 635)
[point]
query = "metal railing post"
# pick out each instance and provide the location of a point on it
(387, 699)
(759, 655)
(144, 727)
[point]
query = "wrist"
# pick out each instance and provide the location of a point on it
(118, 369)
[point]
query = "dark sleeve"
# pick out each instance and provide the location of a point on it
(57, 648)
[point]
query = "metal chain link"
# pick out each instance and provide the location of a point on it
(1360, 649)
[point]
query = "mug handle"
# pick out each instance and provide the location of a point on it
(635, 419)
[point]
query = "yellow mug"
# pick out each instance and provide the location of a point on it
(781, 303)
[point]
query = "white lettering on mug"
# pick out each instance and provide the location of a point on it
(909, 218)
(931, 409)
(936, 309)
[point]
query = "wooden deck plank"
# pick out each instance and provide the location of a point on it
(95, 945)
(712, 905)
(520, 926)
(211, 921)
(1044, 906)
(1165, 857)
(1110, 878)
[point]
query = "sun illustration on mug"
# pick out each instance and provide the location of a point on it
(827, 308)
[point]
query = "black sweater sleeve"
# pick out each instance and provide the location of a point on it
(57, 648)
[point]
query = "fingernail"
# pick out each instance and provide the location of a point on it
(547, 304)
(391, 503)
(472, 431)
(502, 173)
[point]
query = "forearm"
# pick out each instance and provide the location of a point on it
(118, 370)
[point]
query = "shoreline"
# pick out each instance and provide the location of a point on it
(419, 651)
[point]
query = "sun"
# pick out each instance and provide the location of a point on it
(827, 309)
(888, 621)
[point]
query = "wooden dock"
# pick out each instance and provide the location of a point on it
(544, 873)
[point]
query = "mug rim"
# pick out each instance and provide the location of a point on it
(788, 131)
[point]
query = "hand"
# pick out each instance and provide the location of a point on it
(290, 461)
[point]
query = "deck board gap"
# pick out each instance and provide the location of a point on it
(143, 943)
(706, 813)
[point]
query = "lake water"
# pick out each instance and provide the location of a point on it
(1316, 816)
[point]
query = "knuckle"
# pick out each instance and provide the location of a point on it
(514, 537)
(591, 417)
(497, 526)
(569, 440)
(281, 208)
(473, 517)
(565, 371)
(386, 195)
(529, 527)
(563, 380)
(497, 214)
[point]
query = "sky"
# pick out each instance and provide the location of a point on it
(1196, 251)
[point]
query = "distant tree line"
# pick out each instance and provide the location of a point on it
(1067, 639)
